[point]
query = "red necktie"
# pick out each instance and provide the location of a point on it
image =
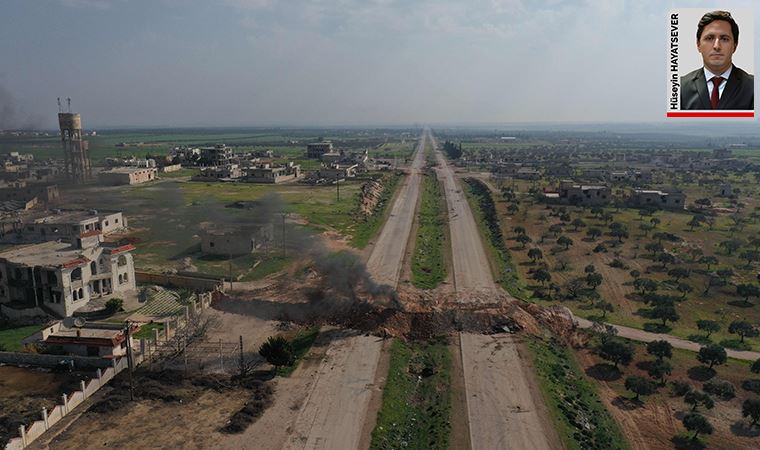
(714, 97)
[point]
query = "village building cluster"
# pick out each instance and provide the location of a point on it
(593, 179)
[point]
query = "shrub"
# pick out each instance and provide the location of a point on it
(114, 304)
(751, 409)
(618, 264)
(712, 355)
(639, 386)
(752, 386)
(679, 388)
(277, 351)
(697, 423)
(616, 352)
(720, 388)
(698, 398)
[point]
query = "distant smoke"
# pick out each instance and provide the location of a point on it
(11, 118)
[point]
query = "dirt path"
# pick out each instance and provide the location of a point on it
(645, 336)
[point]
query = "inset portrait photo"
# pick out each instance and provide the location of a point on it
(711, 63)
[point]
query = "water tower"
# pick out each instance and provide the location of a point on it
(75, 150)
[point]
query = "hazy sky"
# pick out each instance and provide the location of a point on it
(334, 62)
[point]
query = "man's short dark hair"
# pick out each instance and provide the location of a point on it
(718, 15)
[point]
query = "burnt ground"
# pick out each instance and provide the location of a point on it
(25, 391)
(170, 410)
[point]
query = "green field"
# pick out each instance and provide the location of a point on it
(165, 219)
(10, 338)
(289, 143)
(417, 398)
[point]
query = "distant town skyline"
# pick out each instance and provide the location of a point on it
(182, 63)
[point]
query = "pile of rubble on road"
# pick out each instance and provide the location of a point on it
(371, 193)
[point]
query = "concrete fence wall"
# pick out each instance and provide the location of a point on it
(106, 371)
(180, 281)
(39, 360)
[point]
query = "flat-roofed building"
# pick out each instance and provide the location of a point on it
(218, 155)
(233, 239)
(106, 340)
(579, 194)
(266, 173)
(642, 198)
(45, 193)
(315, 150)
(127, 175)
(61, 277)
(65, 224)
(219, 173)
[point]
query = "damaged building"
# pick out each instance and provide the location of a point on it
(64, 224)
(59, 277)
(641, 198)
(268, 173)
(234, 239)
(315, 150)
(570, 193)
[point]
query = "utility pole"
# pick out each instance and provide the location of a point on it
(230, 261)
(130, 363)
(284, 253)
(337, 186)
(242, 361)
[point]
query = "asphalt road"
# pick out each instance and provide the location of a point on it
(384, 263)
(334, 413)
(472, 272)
(501, 395)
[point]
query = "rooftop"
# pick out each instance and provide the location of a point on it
(48, 254)
(128, 170)
(65, 216)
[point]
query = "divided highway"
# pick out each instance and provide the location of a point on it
(501, 405)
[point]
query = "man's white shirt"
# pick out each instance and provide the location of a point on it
(709, 75)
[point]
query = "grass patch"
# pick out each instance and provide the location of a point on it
(368, 227)
(417, 397)
(10, 338)
(583, 423)
(146, 331)
(428, 262)
(484, 210)
(266, 267)
(301, 345)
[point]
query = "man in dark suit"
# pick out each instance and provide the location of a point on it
(719, 84)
